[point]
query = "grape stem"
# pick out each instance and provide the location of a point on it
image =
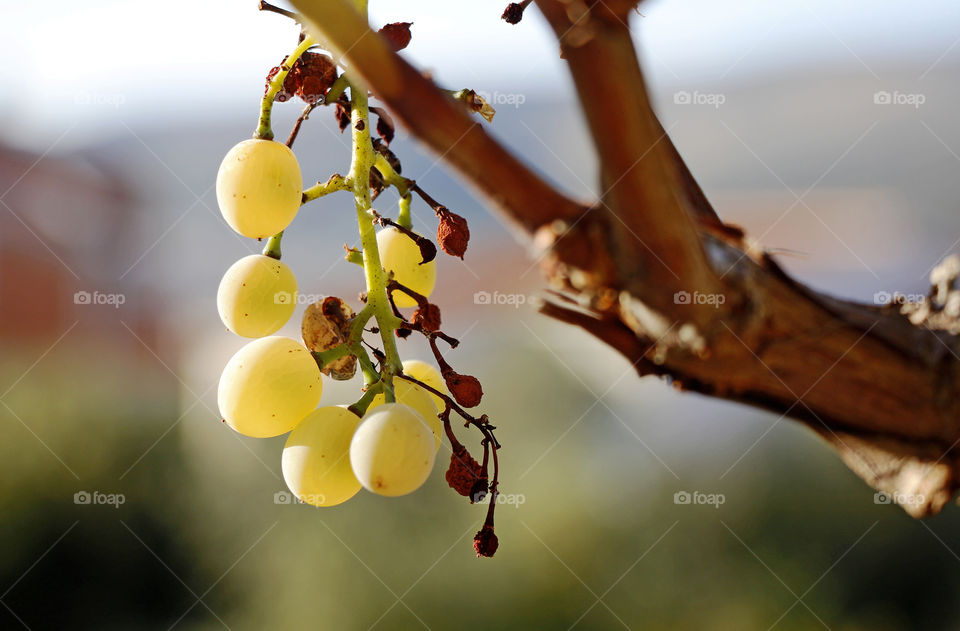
(272, 249)
(264, 130)
(336, 183)
(266, 6)
(364, 158)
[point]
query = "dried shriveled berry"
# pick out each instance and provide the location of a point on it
(463, 471)
(315, 74)
(453, 234)
(398, 34)
(513, 13)
(327, 324)
(465, 389)
(485, 542)
(428, 317)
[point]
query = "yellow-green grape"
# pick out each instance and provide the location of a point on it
(268, 387)
(392, 451)
(257, 296)
(259, 187)
(422, 371)
(419, 399)
(400, 255)
(316, 458)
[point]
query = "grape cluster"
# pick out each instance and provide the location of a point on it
(388, 440)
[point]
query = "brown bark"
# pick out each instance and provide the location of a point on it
(879, 388)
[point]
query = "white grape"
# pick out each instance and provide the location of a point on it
(257, 296)
(419, 399)
(426, 373)
(400, 255)
(316, 457)
(392, 451)
(268, 387)
(259, 187)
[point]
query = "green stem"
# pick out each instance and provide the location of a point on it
(331, 354)
(272, 249)
(264, 131)
(336, 89)
(403, 217)
(360, 407)
(364, 157)
(336, 183)
(402, 184)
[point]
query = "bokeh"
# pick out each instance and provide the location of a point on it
(828, 132)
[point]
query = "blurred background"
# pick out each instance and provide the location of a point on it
(828, 131)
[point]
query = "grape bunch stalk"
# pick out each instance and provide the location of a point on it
(388, 439)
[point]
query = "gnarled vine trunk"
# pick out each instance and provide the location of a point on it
(879, 386)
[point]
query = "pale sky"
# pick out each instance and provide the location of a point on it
(66, 61)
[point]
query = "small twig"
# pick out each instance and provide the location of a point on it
(266, 6)
(303, 116)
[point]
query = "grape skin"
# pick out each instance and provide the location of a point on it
(257, 296)
(419, 399)
(259, 187)
(392, 452)
(400, 255)
(268, 387)
(316, 457)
